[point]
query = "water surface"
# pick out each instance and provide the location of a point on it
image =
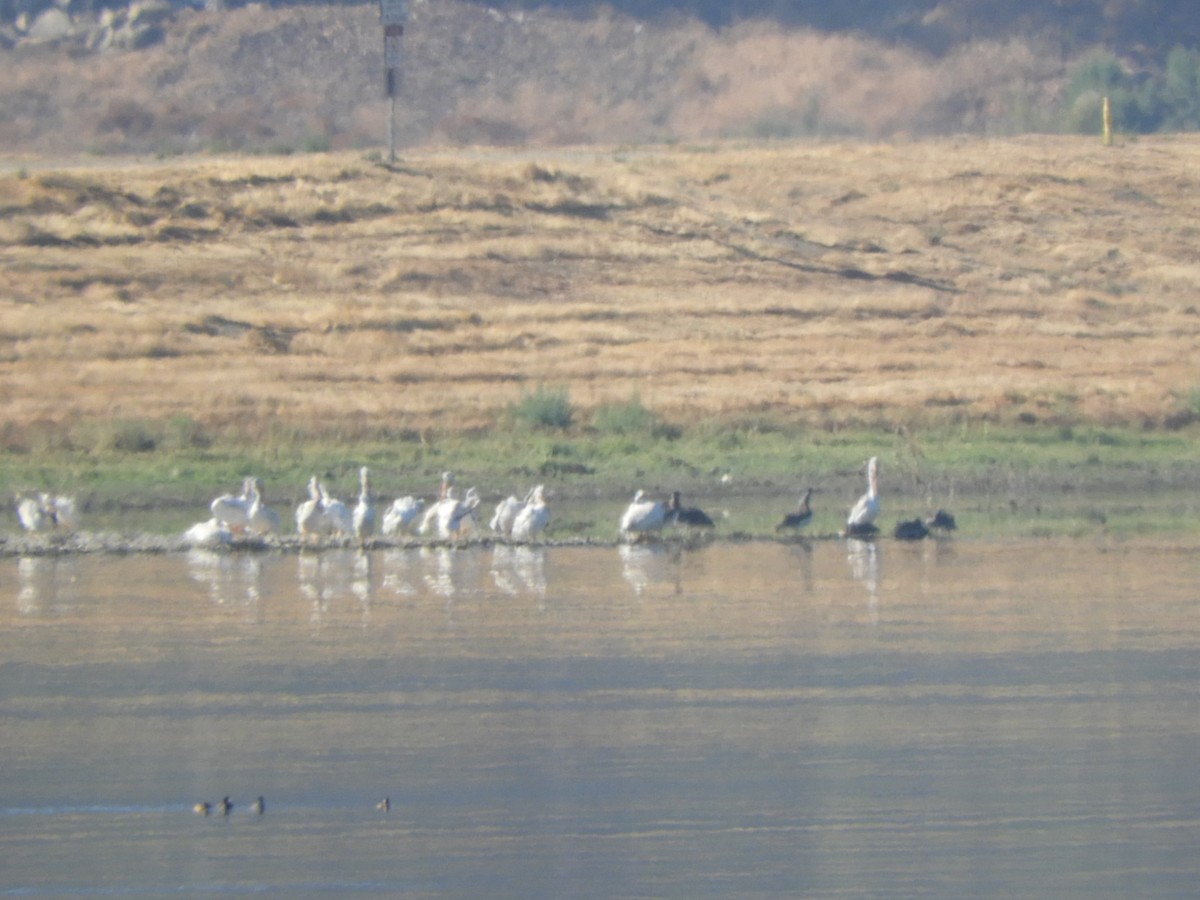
(951, 718)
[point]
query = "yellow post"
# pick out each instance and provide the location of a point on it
(1107, 113)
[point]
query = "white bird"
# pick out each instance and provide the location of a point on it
(64, 513)
(233, 509)
(335, 515)
(209, 534)
(442, 512)
(642, 516)
(866, 510)
(533, 517)
(34, 512)
(364, 511)
(399, 517)
(458, 520)
(507, 511)
(41, 512)
(261, 518)
(309, 519)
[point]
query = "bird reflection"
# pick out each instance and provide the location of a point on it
(333, 575)
(645, 566)
(519, 569)
(231, 578)
(803, 552)
(361, 586)
(41, 581)
(439, 574)
(397, 565)
(863, 557)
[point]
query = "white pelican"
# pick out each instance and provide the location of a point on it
(447, 485)
(210, 534)
(364, 511)
(335, 515)
(450, 515)
(801, 517)
(506, 513)
(233, 509)
(399, 517)
(309, 521)
(41, 512)
(35, 512)
(678, 514)
(642, 516)
(866, 510)
(445, 501)
(63, 510)
(457, 520)
(533, 517)
(260, 517)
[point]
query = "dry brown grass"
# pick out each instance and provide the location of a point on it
(837, 284)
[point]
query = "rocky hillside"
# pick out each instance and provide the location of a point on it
(152, 77)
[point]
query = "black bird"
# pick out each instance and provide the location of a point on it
(942, 521)
(259, 806)
(226, 806)
(679, 514)
(911, 530)
(801, 517)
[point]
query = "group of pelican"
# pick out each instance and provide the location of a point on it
(450, 516)
(861, 521)
(644, 516)
(41, 512)
(323, 515)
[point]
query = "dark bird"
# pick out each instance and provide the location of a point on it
(942, 521)
(801, 517)
(385, 804)
(690, 516)
(226, 806)
(259, 806)
(911, 530)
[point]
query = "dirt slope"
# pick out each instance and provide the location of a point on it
(891, 284)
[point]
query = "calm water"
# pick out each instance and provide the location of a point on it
(949, 719)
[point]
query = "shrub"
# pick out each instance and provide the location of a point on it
(132, 437)
(545, 408)
(629, 417)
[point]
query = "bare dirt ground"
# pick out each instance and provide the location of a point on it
(838, 284)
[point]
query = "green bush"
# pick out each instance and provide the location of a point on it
(1168, 101)
(629, 417)
(545, 408)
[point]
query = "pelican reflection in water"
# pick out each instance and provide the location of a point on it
(230, 578)
(648, 565)
(863, 557)
(518, 570)
(43, 583)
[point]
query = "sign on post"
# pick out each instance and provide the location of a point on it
(392, 15)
